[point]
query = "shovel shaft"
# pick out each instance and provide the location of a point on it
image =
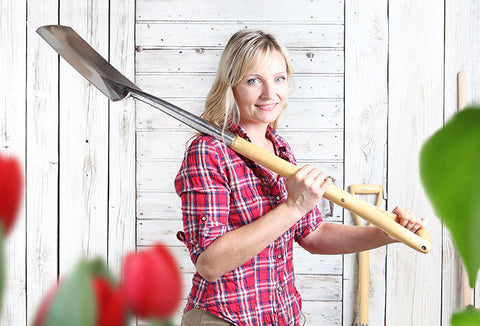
(116, 87)
(184, 116)
(378, 217)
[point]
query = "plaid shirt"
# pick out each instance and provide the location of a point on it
(222, 191)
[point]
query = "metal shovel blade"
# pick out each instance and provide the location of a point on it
(80, 55)
(115, 86)
(112, 83)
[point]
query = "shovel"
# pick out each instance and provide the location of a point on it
(364, 256)
(115, 86)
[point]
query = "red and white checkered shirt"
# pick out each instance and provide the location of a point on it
(222, 191)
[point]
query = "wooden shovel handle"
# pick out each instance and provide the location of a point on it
(378, 217)
(363, 256)
(367, 189)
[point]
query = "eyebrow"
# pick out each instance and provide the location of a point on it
(257, 75)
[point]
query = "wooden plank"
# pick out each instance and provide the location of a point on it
(216, 34)
(319, 287)
(308, 264)
(42, 153)
(321, 145)
(83, 144)
(250, 10)
(322, 313)
(366, 91)
(415, 112)
(300, 114)
(197, 86)
(157, 176)
(13, 142)
(121, 199)
(158, 205)
(181, 60)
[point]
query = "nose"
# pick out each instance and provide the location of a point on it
(268, 91)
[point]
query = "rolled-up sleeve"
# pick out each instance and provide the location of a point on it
(203, 188)
(308, 224)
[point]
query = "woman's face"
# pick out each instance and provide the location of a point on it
(261, 94)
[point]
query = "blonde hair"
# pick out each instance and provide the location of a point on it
(245, 51)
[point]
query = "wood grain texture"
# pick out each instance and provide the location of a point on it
(160, 34)
(366, 109)
(83, 144)
(42, 157)
(250, 10)
(416, 43)
(168, 60)
(176, 52)
(122, 137)
(13, 142)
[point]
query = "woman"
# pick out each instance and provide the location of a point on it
(240, 219)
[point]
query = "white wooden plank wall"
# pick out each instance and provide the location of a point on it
(12, 141)
(178, 48)
(82, 170)
(366, 111)
(79, 157)
(415, 98)
(42, 158)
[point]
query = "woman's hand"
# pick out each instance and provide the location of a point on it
(408, 220)
(306, 188)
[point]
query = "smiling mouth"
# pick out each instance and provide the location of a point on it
(266, 107)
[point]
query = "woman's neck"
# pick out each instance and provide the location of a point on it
(257, 135)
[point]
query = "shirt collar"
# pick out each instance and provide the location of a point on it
(278, 142)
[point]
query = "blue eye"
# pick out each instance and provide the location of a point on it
(253, 81)
(280, 79)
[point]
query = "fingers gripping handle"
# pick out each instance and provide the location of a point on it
(378, 217)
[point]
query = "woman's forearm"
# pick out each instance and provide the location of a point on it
(330, 238)
(238, 246)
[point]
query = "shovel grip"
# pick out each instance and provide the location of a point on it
(378, 217)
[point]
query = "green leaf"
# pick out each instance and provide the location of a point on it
(450, 173)
(467, 317)
(74, 303)
(100, 269)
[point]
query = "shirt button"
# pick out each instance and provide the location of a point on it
(280, 288)
(277, 197)
(279, 256)
(204, 218)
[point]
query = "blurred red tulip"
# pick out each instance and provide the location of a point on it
(153, 283)
(111, 304)
(11, 187)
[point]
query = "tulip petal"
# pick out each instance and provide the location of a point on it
(2, 266)
(153, 282)
(11, 187)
